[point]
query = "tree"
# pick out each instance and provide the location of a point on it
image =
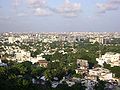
(78, 86)
(63, 86)
(108, 66)
(116, 71)
(100, 85)
(36, 71)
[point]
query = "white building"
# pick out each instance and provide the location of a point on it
(110, 58)
(97, 39)
(22, 56)
(82, 66)
(102, 73)
(11, 39)
(2, 64)
(35, 60)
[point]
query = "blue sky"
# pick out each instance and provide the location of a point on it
(59, 15)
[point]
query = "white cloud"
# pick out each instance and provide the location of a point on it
(40, 7)
(16, 3)
(37, 3)
(115, 1)
(1, 11)
(41, 12)
(22, 14)
(108, 6)
(69, 9)
(72, 14)
(5, 18)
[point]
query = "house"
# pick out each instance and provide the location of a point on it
(2, 64)
(82, 66)
(42, 63)
(55, 82)
(89, 84)
(110, 58)
(102, 73)
(11, 39)
(100, 40)
(22, 56)
(70, 83)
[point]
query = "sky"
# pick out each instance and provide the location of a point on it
(59, 15)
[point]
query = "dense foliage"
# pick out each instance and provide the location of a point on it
(18, 76)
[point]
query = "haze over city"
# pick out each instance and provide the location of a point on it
(59, 15)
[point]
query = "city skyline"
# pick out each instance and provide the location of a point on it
(59, 15)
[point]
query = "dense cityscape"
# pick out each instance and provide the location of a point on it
(59, 44)
(60, 61)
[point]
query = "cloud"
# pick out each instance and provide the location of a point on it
(22, 14)
(69, 9)
(16, 3)
(108, 6)
(42, 12)
(115, 1)
(37, 3)
(72, 14)
(39, 7)
(1, 11)
(5, 18)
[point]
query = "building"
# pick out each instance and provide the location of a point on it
(102, 73)
(2, 64)
(36, 59)
(42, 63)
(22, 56)
(100, 40)
(110, 58)
(11, 39)
(82, 66)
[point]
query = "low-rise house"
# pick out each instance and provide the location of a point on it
(2, 64)
(102, 73)
(110, 58)
(70, 83)
(22, 56)
(42, 63)
(33, 60)
(82, 66)
(36, 59)
(55, 82)
(100, 40)
(89, 84)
